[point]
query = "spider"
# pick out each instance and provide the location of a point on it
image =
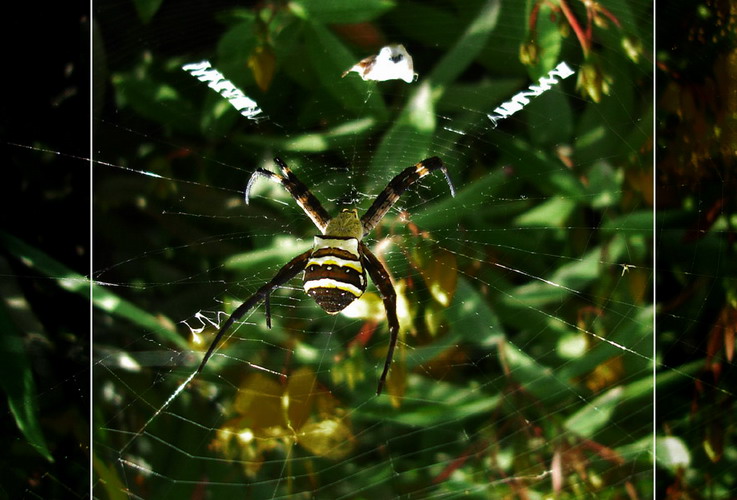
(335, 267)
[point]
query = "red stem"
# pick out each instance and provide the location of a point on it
(582, 39)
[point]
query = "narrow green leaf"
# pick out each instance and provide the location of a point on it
(550, 176)
(549, 41)
(465, 50)
(16, 378)
(283, 250)
(101, 297)
(471, 315)
(340, 11)
(634, 222)
(596, 414)
(604, 185)
(410, 136)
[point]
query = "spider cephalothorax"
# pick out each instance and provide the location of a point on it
(335, 267)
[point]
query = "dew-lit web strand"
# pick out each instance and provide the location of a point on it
(214, 459)
(572, 291)
(121, 167)
(570, 389)
(568, 289)
(144, 173)
(599, 337)
(275, 491)
(231, 484)
(223, 460)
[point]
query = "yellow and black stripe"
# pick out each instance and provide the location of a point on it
(334, 275)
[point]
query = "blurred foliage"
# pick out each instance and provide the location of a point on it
(697, 269)
(525, 360)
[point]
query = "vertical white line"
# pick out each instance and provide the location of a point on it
(90, 70)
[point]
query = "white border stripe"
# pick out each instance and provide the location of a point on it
(327, 260)
(331, 283)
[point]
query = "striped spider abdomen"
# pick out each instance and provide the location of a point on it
(334, 274)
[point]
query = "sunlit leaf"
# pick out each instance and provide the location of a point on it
(298, 398)
(671, 452)
(262, 64)
(441, 276)
(329, 438)
(260, 402)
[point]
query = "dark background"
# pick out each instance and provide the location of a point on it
(45, 203)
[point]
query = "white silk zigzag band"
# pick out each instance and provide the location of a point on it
(521, 99)
(204, 72)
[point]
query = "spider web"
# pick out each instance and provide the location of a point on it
(525, 361)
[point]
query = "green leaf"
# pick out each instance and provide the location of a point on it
(16, 377)
(468, 202)
(596, 415)
(329, 58)
(101, 297)
(465, 50)
(550, 176)
(549, 41)
(540, 380)
(552, 213)
(340, 11)
(110, 480)
(549, 118)
(409, 137)
(633, 222)
(471, 315)
(149, 95)
(146, 9)
(342, 135)
(604, 185)
(283, 250)
(456, 405)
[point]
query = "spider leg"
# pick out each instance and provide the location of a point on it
(380, 277)
(301, 194)
(286, 273)
(397, 186)
(267, 309)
